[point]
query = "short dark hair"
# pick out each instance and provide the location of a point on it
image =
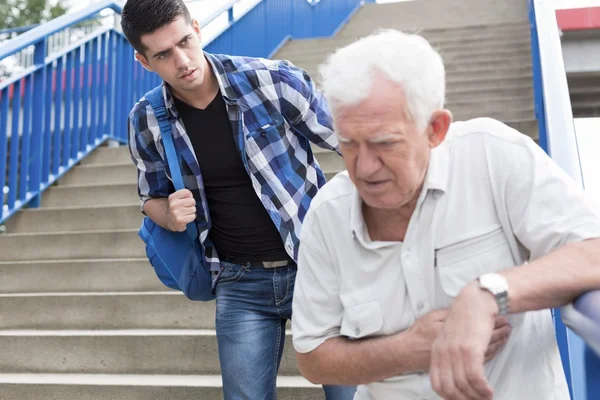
(142, 17)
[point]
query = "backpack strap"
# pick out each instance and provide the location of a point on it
(155, 98)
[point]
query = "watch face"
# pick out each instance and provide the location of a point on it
(494, 282)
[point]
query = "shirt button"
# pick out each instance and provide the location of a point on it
(357, 332)
(420, 305)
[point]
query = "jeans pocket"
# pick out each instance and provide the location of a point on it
(231, 273)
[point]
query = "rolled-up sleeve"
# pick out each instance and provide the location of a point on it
(317, 308)
(153, 181)
(547, 209)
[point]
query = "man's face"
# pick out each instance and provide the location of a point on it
(385, 152)
(174, 52)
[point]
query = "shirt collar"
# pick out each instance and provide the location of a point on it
(436, 181)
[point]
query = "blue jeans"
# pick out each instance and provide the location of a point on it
(253, 305)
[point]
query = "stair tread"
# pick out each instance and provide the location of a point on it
(135, 380)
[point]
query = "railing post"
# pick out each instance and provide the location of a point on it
(230, 15)
(39, 82)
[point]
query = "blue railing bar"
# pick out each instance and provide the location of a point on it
(583, 317)
(118, 78)
(111, 45)
(24, 182)
(84, 132)
(3, 146)
(52, 58)
(56, 164)
(32, 195)
(14, 146)
(48, 125)
(18, 29)
(226, 7)
(562, 142)
(66, 142)
(76, 132)
(41, 32)
(39, 82)
(95, 46)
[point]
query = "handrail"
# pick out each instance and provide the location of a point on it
(39, 33)
(18, 29)
(559, 140)
(228, 6)
(583, 316)
(559, 135)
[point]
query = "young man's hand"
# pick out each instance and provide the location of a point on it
(181, 210)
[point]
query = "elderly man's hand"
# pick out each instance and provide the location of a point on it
(459, 352)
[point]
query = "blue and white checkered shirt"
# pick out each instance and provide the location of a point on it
(275, 112)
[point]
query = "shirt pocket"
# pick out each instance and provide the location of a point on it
(461, 263)
(361, 320)
(267, 147)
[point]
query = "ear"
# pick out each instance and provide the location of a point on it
(196, 26)
(144, 61)
(439, 124)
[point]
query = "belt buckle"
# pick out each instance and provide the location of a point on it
(274, 264)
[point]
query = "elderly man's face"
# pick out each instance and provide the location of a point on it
(385, 152)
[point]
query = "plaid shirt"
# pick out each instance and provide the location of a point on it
(274, 111)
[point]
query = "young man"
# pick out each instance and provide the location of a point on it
(243, 128)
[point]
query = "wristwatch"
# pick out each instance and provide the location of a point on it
(497, 285)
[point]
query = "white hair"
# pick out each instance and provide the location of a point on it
(406, 59)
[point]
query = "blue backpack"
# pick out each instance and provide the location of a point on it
(177, 257)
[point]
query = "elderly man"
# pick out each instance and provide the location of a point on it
(410, 258)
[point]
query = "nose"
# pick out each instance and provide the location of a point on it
(367, 162)
(181, 59)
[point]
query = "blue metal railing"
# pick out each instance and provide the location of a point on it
(558, 139)
(58, 110)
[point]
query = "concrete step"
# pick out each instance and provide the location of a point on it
(76, 219)
(490, 106)
(91, 195)
(71, 245)
(488, 64)
(86, 275)
(490, 83)
(100, 174)
(119, 352)
(105, 310)
(445, 37)
(500, 95)
(527, 126)
(136, 387)
(465, 55)
(449, 13)
(309, 51)
(510, 115)
(108, 155)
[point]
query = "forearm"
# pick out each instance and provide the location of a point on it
(157, 210)
(556, 279)
(340, 361)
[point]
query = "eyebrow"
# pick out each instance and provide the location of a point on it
(163, 52)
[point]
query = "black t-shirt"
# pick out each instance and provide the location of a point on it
(242, 230)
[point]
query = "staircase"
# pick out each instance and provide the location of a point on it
(485, 45)
(82, 315)
(584, 90)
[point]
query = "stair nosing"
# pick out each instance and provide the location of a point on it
(66, 233)
(136, 380)
(71, 261)
(76, 208)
